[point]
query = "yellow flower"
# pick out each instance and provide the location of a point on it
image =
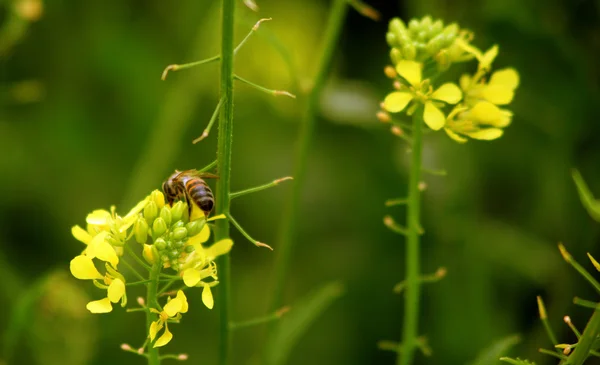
(83, 268)
(420, 91)
(171, 310)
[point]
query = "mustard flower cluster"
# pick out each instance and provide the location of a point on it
(168, 239)
(420, 54)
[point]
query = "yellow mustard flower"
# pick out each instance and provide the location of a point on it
(479, 116)
(420, 91)
(172, 310)
(82, 267)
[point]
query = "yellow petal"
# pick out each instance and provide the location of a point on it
(207, 297)
(396, 102)
(410, 70)
(81, 234)
(455, 136)
(433, 117)
(488, 57)
(164, 339)
(98, 217)
(220, 248)
(100, 306)
(175, 305)
(498, 94)
(220, 216)
(154, 328)
(197, 213)
(191, 277)
(465, 81)
(505, 119)
(508, 77)
(116, 290)
(203, 235)
(467, 47)
(485, 112)
(82, 267)
(449, 92)
(148, 254)
(486, 134)
(102, 250)
(184, 303)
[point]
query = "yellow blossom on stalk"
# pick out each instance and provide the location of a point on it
(83, 268)
(172, 310)
(421, 91)
(479, 115)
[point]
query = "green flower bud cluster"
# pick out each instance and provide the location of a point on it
(168, 229)
(421, 39)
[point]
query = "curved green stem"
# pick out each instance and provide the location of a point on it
(413, 289)
(224, 169)
(290, 218)
(151, 302)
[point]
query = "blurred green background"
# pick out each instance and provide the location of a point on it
(94, 126)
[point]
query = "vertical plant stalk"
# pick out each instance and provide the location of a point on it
(413, 289)
(224, 144)
(288, 226)
(151, 295)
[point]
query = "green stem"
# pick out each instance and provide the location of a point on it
(413, 289)
(151, 302)
(584, 346)
(224, 168)
(290, 218)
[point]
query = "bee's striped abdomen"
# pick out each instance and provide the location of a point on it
(201, 194)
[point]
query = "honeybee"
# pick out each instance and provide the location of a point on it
(189, 185)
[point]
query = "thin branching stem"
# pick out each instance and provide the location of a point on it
(260, 320)
(264, 89)
(259, 188)
(224, 146)
(309, 118)
(584, 346)
(413, 284)
(212, 120)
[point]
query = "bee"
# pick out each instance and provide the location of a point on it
(189, 185)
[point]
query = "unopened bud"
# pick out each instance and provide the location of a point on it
(189, 249)
(180, 233)
(158, 198)
(397, 85)
(422, 186)
(409, 51)
(383, 117)
(141, 230)
(141, 301)
(125, 347)
(148, 254)
(390, 72)
(451, 30)
(397, 131)
(159, 227)
(397, 26)
(150, 212)
(414, 26)
(113, 241)
(391, 39)
(165, 213)
(182, 357)
(195, 227)
(395, 55)
(160, 244)
(177, 211)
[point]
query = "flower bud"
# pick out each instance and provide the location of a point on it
(158, 198)
(159, 227)
(178, 244)
(177, 211)
(164, 258)
(173, 254)
(190, 249)
(390, 72)
(150, 212)
(414, 26)
(395, 55)
(397, 26)
(426, 22)
(177, 224)
(409, 51)
(451, 30)
(165, 214)
(180, 233)
(140, 229)
(436, 28)
(194, 227)
(391, 39)
(149, 254)
(160, 244)
(113, 241)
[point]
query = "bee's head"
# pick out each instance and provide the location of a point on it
(169, 189)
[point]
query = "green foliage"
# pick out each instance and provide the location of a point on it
(516, 361)
(587, 198)
(492, 354)
(296, 323)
